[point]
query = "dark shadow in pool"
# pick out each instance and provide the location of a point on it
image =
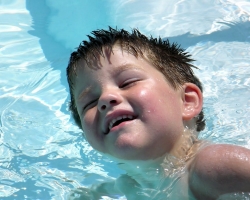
(239, 32)
(58, 55)
(54, 51)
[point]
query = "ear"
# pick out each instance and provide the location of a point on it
(192, 101)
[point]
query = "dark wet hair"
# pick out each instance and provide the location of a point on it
(171, 60)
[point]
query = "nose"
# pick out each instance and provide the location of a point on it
(108, 99)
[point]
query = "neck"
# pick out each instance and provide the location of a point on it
(154, 173)
(149, 173)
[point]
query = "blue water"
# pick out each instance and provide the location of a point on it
(42, 153)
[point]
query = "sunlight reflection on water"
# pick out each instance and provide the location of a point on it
(43, 154)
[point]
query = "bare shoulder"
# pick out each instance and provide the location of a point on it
(222, 155)
(219, 169)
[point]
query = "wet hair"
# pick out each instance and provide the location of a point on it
(171, 60)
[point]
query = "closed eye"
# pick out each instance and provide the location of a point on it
(90, 104)
(129, 82)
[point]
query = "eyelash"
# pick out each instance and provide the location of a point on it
(88, 104)
(129, 82)
(125, 84)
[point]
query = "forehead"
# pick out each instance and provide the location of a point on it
(112, 61)
(104, 68)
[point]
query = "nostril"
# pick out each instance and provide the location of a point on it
(103, 107)
(105, 104)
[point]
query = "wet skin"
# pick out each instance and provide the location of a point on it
(154, 116)
(129, 87)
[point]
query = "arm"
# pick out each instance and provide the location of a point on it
(220, 169)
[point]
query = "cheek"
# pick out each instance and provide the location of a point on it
(87, 122)
(145, 93)
(149, 98)
(90, 127)
(146, 100)
(88, 132)
(88, 117)
(161, 103)
(148, 105)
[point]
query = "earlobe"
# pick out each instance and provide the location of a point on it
(192, 101)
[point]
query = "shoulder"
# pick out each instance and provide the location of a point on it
(217, 155)
(218, 169)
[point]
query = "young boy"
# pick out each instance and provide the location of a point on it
(138, 102)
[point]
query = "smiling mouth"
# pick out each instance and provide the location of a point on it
(119, 120)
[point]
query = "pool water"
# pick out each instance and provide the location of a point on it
(42, 153)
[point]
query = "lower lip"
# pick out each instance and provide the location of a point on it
(115, 128)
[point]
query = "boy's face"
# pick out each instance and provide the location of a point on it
(127, 108)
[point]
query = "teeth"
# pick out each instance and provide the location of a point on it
(119, 118)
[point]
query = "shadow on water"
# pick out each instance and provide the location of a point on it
(53, 50)
(57, 54)
(238, 32)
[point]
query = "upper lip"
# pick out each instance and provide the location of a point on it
(114, 115)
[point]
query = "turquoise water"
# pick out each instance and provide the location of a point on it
(43, 155)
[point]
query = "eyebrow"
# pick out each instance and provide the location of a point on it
(84, 93)
(124, 67)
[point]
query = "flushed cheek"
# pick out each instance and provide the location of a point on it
(146, 96)
(160, 104)
(149, 101)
